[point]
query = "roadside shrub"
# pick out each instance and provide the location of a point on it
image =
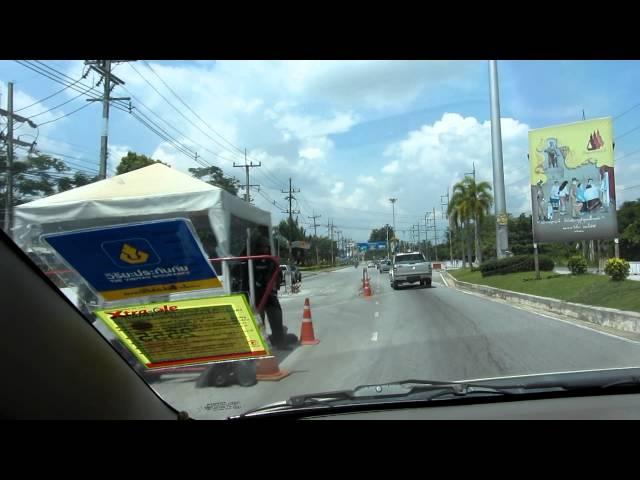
(518, 263)
(577, 264)
(617, 268)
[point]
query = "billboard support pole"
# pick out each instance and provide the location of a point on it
(616, 246)
(535, 260)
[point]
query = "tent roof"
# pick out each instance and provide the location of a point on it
(154, 180)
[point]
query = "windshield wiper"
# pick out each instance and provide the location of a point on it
(413, 390)
(376, 392)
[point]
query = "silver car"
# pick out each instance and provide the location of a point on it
(385, 266)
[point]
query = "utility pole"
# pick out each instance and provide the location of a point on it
(435, 234)
(472, 173)
(10, 142)
(247, 185)
(446, 205)
(315, 234)
(109, 80)
(330, 231)
(291, 198)
(418, 235)
(388, 251)
(502, 232)
(8, 214)
(426, 236)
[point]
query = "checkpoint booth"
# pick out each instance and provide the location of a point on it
(156, 192)
(222, 223)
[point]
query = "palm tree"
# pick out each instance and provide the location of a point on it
(471, 201)
(459, 218)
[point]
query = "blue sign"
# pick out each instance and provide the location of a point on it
(366, 246)
(363, 247)
(137, 260)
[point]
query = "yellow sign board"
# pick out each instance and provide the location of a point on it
(570, 146)
(573, 183)
(165, 288)
(188, 332)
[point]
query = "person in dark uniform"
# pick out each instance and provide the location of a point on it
(263, 271)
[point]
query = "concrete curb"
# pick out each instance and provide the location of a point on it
(606, 317)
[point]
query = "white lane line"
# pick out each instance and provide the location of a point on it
(535, 312)
(376, 315)
(374, 337)
(377, 302)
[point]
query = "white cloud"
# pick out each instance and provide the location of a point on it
(304, 126)
(391, 167)
(439, 154)
(367, 180)
(311, 153)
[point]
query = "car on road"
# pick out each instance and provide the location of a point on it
(371, 265)
(296, 274)
(385, 266)
(410, 268)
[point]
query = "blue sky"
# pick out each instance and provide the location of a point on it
(349, 134)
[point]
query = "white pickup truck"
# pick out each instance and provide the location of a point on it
(410, 268)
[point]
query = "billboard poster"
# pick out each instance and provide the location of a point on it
(573, 182)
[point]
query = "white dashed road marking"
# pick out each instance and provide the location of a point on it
(374, 337)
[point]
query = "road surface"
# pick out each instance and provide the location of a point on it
(437, 333)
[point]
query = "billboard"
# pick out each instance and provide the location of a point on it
(573, 182)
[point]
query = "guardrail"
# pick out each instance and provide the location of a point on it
(607, 317)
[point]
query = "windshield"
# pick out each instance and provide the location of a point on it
(332, 168)
(412, 258)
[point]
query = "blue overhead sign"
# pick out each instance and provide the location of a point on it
(366, 246)
(137, 260)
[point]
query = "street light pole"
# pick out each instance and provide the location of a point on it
(502, 233)
(388, 252)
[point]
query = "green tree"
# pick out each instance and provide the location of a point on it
(79, 179)
(291, 230)
(133, 161)
(470, 204)
(380, 234)
(215, 176)
(35, 177)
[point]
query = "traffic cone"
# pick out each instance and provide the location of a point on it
(307, 336)
(367, 288)
(268, 369)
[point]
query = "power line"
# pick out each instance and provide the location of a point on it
(174, 143)
(63, 82)
(65, 115)
(189, 108)
(48, 97)
(168, 138)
(60, 105)
(165, 132)
(627, 133)
(627, 155)
(177, 109)
(626, 111)
(215, 154)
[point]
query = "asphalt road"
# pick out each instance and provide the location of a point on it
(436, 333)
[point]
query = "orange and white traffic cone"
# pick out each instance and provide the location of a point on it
(367, 288)
(268, 369)
(307, 335)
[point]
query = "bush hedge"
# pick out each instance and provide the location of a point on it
(617, 268)
(577, 264)
(518, 263)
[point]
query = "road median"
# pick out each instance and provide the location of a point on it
(623, 320)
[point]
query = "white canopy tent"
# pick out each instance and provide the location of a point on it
(149, 193)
